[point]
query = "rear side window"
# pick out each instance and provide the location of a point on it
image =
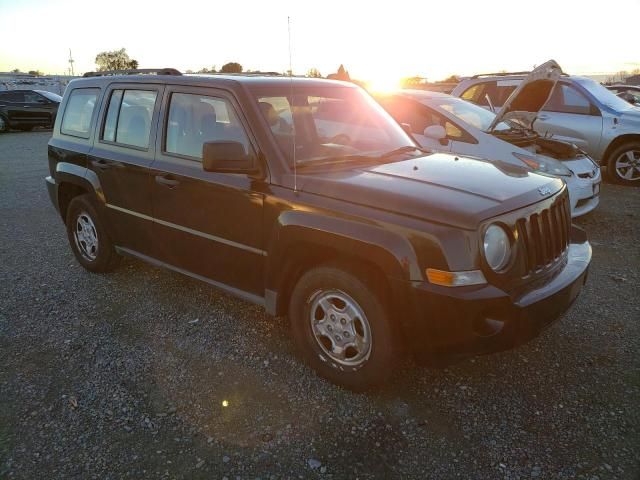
(77, 115)
(196, 119)
(129, 115)
(13, 97)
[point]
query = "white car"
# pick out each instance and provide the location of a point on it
(444, 123)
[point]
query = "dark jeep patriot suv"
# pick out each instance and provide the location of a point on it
(304, 196)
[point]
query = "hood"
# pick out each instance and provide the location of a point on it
(529, 97)
(442, 188)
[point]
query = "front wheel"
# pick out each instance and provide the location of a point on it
(88, 238)
(342, 328)
(623, 165)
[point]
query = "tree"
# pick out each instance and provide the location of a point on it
(37, 73)
(231, 67)
(341, 74)
(115, 60)
(207, 70)
(15, 70)
(314, 73)
(451, 79)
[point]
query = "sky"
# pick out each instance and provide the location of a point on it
(375, 40)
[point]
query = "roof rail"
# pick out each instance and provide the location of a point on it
(500, 74)
(136, 71)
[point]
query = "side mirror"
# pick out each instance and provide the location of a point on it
(436, 132)
(227, 157)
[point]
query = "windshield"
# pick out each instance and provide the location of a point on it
(49, 95)
(604, 96)
(470, 113)
(329, 123)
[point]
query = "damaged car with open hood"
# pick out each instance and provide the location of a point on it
(445, 123)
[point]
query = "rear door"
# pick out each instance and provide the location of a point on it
(570, 116)
(37, 108)
(14, 106)
(206, 223)
(122, 154)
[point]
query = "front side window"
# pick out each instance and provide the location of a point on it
(566, 99)
(79, 111)
(129, 115)
(196, 119)
(328, 123)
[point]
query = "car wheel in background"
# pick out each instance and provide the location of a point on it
(623, 165)
(88, 238)
(4, 124)
(342, 328)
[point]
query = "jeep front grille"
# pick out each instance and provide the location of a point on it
(544, 236)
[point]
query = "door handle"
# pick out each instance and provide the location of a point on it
(101, 164)
(167, 180)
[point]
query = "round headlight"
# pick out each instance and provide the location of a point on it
(497, 248)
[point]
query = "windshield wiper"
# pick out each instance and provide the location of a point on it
(342, 159)
(405, 149)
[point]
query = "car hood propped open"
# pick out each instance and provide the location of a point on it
(530, 96)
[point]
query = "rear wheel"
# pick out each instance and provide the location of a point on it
(342, 328)
(623, 165)
(88, 238)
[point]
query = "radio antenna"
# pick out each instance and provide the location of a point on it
(293, 122)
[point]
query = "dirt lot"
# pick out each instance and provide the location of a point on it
(125, 375)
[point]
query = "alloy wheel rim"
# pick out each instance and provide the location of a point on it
(340, 327)
(86, 236)
(628, 165)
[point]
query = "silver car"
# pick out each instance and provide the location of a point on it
(580, 111)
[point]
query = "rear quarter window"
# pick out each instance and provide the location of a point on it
(79, 112)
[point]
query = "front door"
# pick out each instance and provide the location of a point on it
(208, 224)
(570, 116)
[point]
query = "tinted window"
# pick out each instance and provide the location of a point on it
(566, 99)
(196, 119)
(498, 92)
(109, 132)
(420, 117)
(32, 97)
(128, 119)
(78, 113)
(12, 97)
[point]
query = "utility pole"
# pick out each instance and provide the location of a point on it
(71, 63)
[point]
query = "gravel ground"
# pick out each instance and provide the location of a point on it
(127, 375)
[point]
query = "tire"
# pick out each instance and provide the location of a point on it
(623, 164)
(88, 238)
(331, 299)
(4, 124)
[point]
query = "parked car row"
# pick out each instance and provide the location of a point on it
(444, 123)
(306, 197)
(580, 111)
(27, 109)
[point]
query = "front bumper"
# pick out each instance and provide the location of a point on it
(465, 321)
(584, 187)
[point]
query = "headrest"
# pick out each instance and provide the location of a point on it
(270, 114)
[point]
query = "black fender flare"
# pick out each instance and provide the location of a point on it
(389, 251)
(81, 176)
